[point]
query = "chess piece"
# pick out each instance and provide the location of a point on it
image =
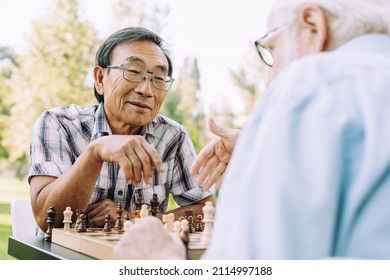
(138, 203)
(144, 212)
(190, 225)
(127, 224)
(107, 224)
(168, 220)
(208, 219)
(183, 225)
(51, 219)
(67, 218)
(199, 223)
(78, 213)
(188, 213)
(177, 228)
(154, 203)
(119, 211)
(82, 223)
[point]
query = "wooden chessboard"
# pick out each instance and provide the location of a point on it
(98, 244)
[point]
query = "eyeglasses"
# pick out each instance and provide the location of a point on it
(137, 74)
(265, 53)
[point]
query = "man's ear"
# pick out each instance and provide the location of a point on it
(98, 74)
(314, 28)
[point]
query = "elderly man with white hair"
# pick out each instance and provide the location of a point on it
(309, 176)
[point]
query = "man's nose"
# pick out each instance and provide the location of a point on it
(145, 87)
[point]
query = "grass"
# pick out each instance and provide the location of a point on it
(10, 189)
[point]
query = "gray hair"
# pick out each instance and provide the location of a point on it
(126, 36)
(347, 19)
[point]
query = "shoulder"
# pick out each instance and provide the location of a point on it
(69, 113)
(338, 81)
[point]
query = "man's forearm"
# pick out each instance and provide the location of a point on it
(73, 188)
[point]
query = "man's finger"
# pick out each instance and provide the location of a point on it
(202, 158)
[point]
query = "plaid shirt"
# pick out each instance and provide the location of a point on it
(60, 135)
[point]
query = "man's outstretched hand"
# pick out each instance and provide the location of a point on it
(213, 159)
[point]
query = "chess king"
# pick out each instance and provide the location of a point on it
(120, 149)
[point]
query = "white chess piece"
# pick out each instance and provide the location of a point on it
(177, 228)
(168, 220)
(144, 212)
(208, 219)
(127, 224)
(67, 218)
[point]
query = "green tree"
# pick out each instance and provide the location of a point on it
(183, 103)
(8, 63)
(53, 72)
(250, 79)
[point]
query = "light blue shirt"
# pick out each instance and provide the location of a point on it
(310, 175)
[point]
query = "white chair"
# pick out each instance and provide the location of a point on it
(22, 218)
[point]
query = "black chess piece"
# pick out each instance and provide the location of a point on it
(78, 213)
(154, 203)
(138, 203)
(51, 219)
(119, 211)
(190, 225)
(107, 225)
(199, 223)
(188, 213)
(82, 223)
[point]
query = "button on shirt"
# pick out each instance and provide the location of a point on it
(60, 135)
(310, 174)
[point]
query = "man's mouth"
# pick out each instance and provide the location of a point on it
(141, 105)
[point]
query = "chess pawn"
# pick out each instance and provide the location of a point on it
(82, 225)
(78, 213)
(168, 220)
(183, 225)
(138, 204)
(127, 224)
(199, 223)
(51, 219)
(67, 218)
(144, 212)
(107, 224)
(208, 219)
(190, 225)
(119, 222)
(177, 228)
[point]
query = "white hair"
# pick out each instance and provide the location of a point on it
(347, 19)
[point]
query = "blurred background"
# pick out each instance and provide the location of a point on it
(47, 51)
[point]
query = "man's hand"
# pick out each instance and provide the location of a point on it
(215, 156)
(149, 240)
(134, 155)
(97, 212)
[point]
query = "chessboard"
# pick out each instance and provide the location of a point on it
(98, 244)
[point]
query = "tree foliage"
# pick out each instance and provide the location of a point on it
(183, 103)
(52, 72)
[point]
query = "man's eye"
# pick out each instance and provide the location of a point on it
(133, 72)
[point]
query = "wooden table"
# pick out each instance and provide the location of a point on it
(36, 248)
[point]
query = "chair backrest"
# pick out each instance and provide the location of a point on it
(22, 218)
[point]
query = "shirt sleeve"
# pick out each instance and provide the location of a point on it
(50, 153)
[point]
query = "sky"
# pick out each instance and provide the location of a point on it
(220, 34)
